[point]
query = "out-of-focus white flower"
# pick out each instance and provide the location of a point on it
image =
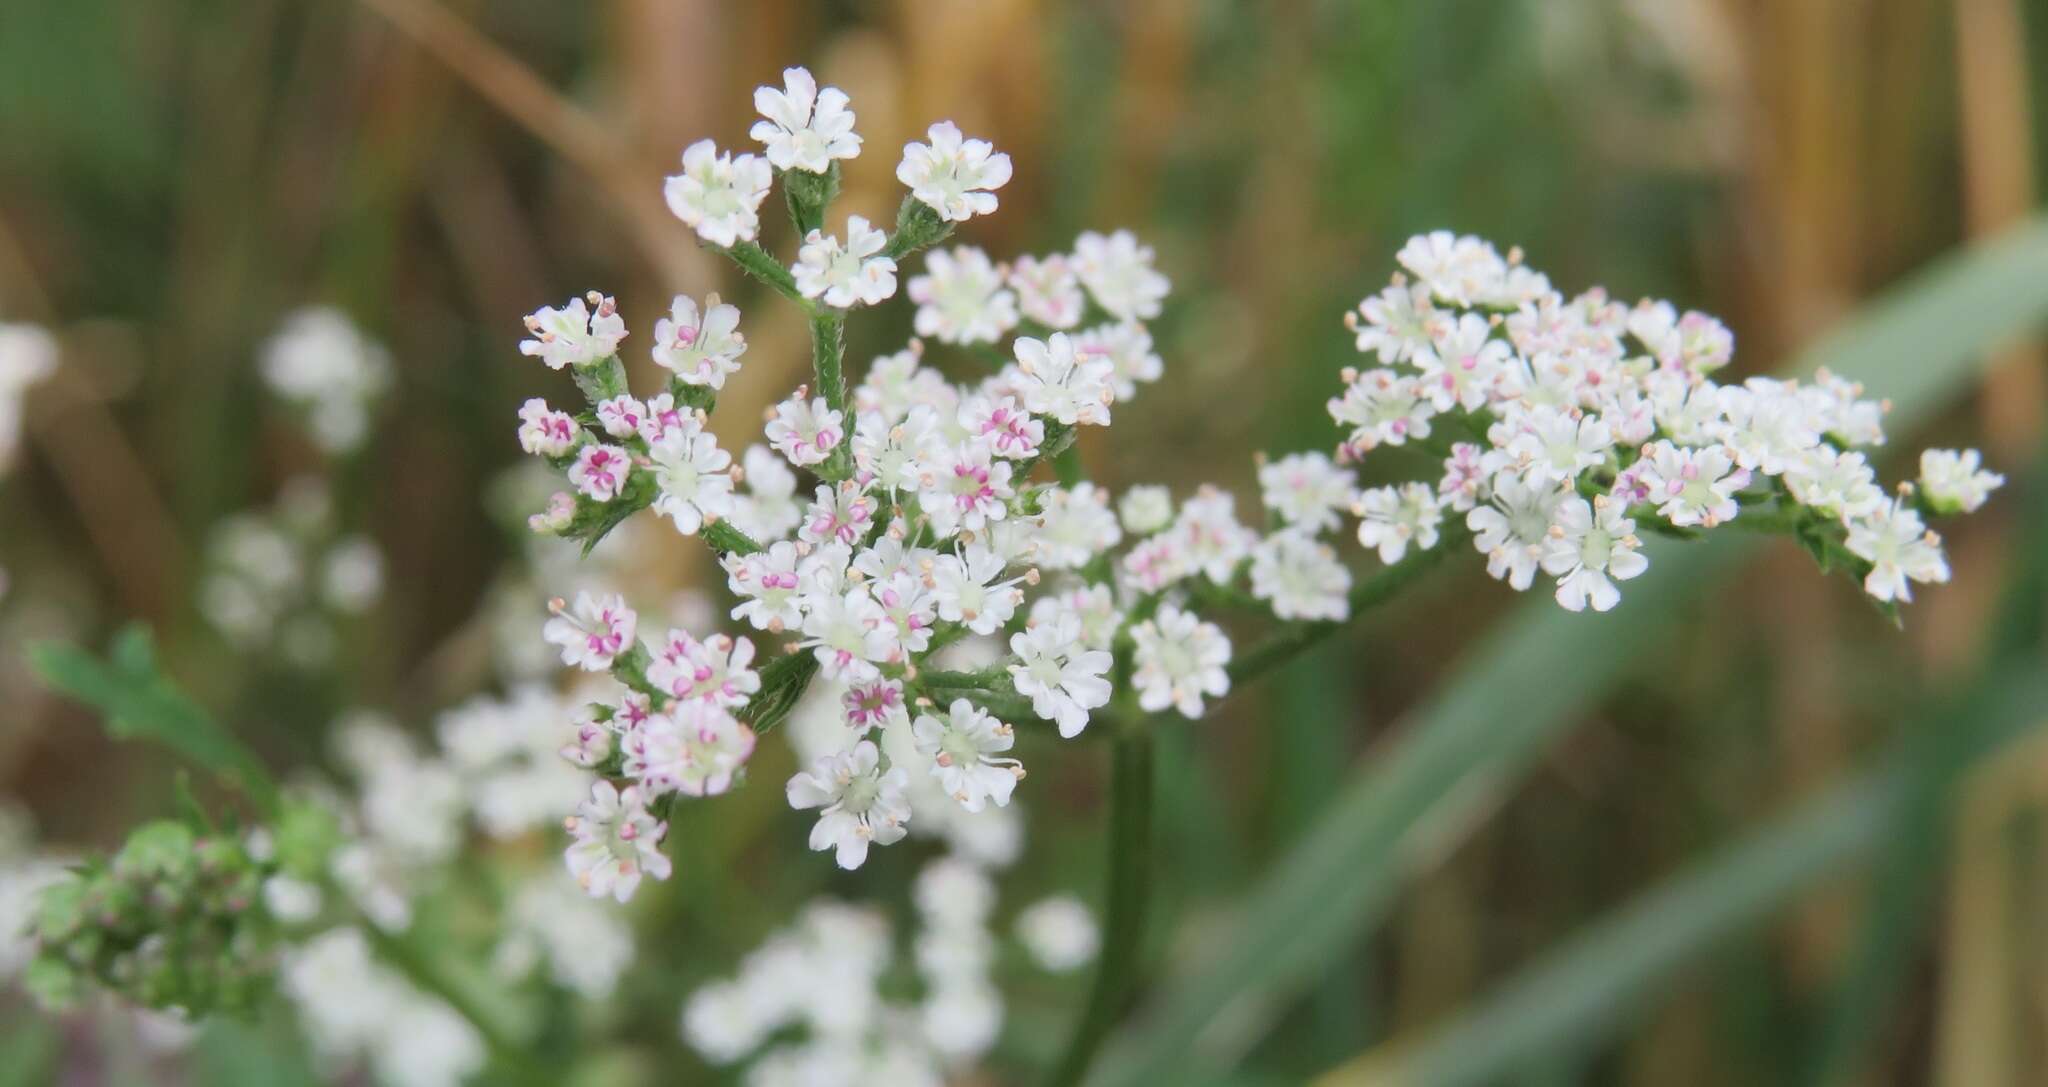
(584, 946)
(321, 362)
(1955, 481)
(1307, 491)
(1048, 291)
(1179, 658)
(961, 297)
(806, 128)
(952, 175)
(1118, 273)
(1060, 933)
(1301, 578)
(1145, 509)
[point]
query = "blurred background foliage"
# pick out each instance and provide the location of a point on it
(175, 178)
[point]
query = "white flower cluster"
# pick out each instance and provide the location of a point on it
(322, 365)
(280, 579)
(352, 1009)
(824, 974)
(1568, 425)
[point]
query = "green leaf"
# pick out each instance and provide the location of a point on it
(140, 703)
(1600, 978)
(1519, 689)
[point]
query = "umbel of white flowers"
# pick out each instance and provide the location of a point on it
(876, 525)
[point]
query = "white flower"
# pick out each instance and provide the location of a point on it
(1145, 509)
(768, 508)
(806, 432)
(961, 297)
(1551, 446)
(1075, 526)
(1590, 546)
(1301, 577)
(858, 802)
(1127, 345)
(850, 635)
(876, 704)
(719, 195)
(1955, 482)
(1462, 270)
(28, 354)
(714, 670)
(1179, 658)
(846, 273)
(1060, 933)
(1057, 381)
(1397, 323)
(1208, 537)
(545, 432)
(594, 632)
(1307, 491)
(1835, 483)
(574, 335)
(1461, 363)
(600, 471)
(617, 842)
(953, 176)
(1008, 429)
(1062, 679)
(320, 361)
(1841, 412)
(621, 416)
(585, 946)
(1382, 406)
(964, 745)
(1047, 290)
(1118, 272)
(965, 488)
(1768, 424)
(768, 586)
(841, 514)
(694, 477)
(725, 1021)
(1513, 531)
(1694, 344)
(1900, 550)
(1694, 486)
(806, 128)
(966, 590)
(1465, 480)
(695, 749)
(700, 349)
(1391, 519)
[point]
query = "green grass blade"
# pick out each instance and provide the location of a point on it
(1920, 343)
(1583, 990)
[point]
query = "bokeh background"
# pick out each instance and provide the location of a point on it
(176, 178)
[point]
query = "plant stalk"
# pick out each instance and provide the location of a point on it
(1130, 887)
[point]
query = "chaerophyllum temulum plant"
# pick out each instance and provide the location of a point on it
(892, 516)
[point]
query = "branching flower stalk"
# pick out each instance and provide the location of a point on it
(944, 518)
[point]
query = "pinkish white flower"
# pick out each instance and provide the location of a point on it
(952, 175)
(600, 471)
(592, 633)
(1118, 272)
(545, 432)
(805, 432)
(700, 348)
(847, 273)
(719, 195)
(616, 842)
(574, 335)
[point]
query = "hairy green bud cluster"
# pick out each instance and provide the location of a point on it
(175, 919)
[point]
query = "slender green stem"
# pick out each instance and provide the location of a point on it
(1291, 641)
(828, 353)
(1130, 887)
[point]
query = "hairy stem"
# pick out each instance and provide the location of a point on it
(1130, 886)
(756, 262)
(828, 353)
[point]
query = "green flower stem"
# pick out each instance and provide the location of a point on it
(1291, 641)
(756, 262)
(917, 226)
(808, 195)
(1130, 886)
(828, 352)
(727, 540)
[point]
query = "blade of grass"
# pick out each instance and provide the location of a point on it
(1598, 980)
(1920, 343)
